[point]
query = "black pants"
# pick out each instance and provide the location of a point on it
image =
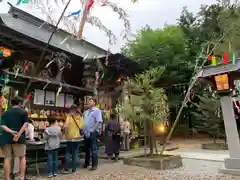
(91, 149)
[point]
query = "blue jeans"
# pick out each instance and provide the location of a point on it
(91, 149)
(72, 149)
(52, 161)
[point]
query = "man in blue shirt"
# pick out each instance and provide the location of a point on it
(92, 124)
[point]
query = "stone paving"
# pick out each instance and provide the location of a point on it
(192, 170)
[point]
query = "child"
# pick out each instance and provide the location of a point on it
(52, 136)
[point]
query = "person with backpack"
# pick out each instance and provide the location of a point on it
(73, 126)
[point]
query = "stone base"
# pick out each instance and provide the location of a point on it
(232, 166)
(161, 162)
(215, 146)
(234, 172)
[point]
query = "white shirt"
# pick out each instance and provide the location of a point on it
(29, 132)
(126, 127)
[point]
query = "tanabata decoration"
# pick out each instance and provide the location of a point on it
(5, 79)
(102, 76)
(1, 61)
(75, 13)
(225, 59)
(64, 40)
(22, 2)
(104, 4)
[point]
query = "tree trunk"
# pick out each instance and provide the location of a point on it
(150, 134)
(155, 143)
(145, 137)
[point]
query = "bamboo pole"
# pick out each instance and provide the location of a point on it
(83, 20)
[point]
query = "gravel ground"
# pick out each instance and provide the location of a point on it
(192, 170)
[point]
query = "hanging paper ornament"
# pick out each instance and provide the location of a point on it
(65, 102)
(56, 100)
(214, 61)
(234, 59)
(28, 97)
(225, 58)
(25, 68)
(1, 52)
(102, 76)
(90, 4)
(48, 64)
(88, 83)
(75, 13)
(95, 92)
(6, 79)
(95, 84)
(91, 84)
(64, 40)
(85, 57)
(97, 75)
(16, 73)
(1, 61)
(210, 58)
(104, 4)
(46, 85)
(22, 1)
(58, 91)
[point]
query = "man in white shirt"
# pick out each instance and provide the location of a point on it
(126, 134)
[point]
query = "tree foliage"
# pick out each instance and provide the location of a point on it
(152, 105)
(152, 102)
(208, 116)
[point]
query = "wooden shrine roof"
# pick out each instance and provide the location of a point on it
(24, 24)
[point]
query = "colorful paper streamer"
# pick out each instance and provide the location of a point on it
(75, 13)
(234, 58)
(214, 61)
(90, 4)
(22, 2)
(225, 58)
(104, 4)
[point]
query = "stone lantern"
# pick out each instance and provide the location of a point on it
(222, 78)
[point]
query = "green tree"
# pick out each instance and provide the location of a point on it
(152, 103)
(163, 48)
(208, 116)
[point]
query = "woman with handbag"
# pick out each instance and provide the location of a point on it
(112, 137)
(73, 126)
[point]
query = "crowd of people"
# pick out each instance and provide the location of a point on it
(18, 129)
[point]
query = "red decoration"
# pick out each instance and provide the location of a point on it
(65, 102)
(210, 58)
(88, 83)
(104, 4)
(90, 4)
(225, 58)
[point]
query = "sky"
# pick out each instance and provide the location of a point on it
(155, 13)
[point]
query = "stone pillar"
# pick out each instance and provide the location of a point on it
(232, 164)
